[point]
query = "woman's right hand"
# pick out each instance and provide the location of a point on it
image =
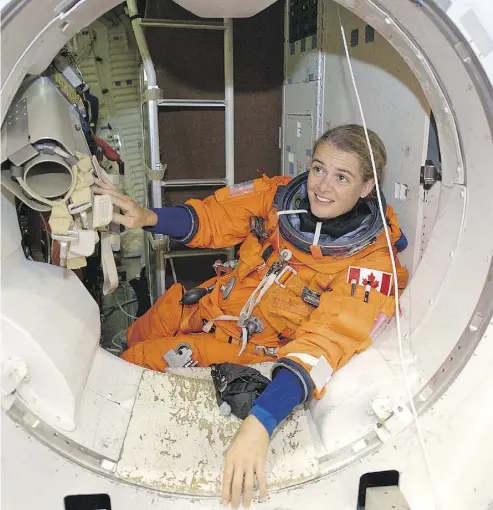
(134, 216)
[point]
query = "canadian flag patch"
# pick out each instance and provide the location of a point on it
(377, 280)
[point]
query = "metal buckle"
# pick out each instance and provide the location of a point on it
(78, 208)
(64, 239)
(262, 350)
(310, 296)
(284, 270)
(71, 235)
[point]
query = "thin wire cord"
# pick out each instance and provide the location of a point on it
(172, 265)
(394, 271)
(118, 346)
(120, 306)
(112, 309)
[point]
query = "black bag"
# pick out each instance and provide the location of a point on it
(237, 385)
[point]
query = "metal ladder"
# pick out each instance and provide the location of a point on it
(153, 98)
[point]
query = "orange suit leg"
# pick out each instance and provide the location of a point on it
(206, 350)
(161, 320)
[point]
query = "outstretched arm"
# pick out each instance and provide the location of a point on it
(245, 459)
(218, 221)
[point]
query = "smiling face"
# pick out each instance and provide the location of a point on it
(335, 182)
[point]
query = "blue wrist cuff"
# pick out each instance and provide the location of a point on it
(175, 222)
(265, 418)
(276, 403)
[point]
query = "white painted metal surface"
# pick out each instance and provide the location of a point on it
(106, 406)
(50, 323)
(394, 105)
(302, 94)
(177, 439)
(222, 9)
(300, 114)
(457, 434)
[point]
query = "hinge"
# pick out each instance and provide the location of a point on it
(431, 173)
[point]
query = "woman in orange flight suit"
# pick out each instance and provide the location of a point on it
(312, 285)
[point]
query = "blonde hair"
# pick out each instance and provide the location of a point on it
(351, 138)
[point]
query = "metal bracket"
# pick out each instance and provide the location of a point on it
(156, 174)
(392, 419)
(180, 357)
(431, 172)
(158, 242)
(154, 94)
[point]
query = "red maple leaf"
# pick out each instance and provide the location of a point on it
(371, 281)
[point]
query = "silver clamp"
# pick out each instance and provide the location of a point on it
(64, 240)
(156, 174)
(152, 94)
(158, 242)
(78, 208)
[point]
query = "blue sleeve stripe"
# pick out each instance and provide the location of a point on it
(276, 403)
(265, 418)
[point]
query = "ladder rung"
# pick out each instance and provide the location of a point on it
(196, 103)
(175, 23)
(193, 183)
(195, 252)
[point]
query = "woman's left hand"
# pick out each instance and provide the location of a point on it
(245, 459)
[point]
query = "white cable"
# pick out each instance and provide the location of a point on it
(164, 273)
(172, 264)
(119, 347)
(121, 308)
(394, 271)
(292, 211)
(318, 230)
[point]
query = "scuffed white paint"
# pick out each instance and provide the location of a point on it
(176, 439)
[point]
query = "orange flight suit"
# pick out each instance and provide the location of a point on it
(338, 328)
